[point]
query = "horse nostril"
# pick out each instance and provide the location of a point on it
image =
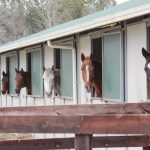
(17, 91)
(3, 92)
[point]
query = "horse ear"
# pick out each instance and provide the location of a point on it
(145, 53)
(16, 70)
(82, 57)
(4, 73)
(21, 69)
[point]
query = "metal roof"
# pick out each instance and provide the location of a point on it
(127, 10)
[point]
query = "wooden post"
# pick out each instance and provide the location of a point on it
(146, 148)
(83, 141)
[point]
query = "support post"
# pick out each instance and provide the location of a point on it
(83, 141)
(146, 148)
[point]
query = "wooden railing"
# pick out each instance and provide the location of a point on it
(83, 121)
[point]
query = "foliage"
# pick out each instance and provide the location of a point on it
(23, 17)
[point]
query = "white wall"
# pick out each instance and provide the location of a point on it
(48, 55)
(23, 62)
(84, 46)
(136, 77)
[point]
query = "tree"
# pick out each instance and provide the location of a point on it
(72, 9)
(23, 17)
(12, 20)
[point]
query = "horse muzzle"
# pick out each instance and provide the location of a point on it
(17, 91)
(88, 88)
(3, 92)
(49, 93)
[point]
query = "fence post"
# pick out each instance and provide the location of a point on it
(146, 148)
(83, 141)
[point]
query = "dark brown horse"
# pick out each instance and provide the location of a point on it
(5, 83)
(91, 74)
(146, 54)
(23, 79)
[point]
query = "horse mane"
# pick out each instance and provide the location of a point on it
(97, 73)
(57, 75)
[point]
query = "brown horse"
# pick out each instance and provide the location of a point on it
(23, 79)
(5, 83)
(146, 54)
(91, 74)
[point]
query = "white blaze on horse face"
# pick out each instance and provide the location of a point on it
(87, 73)
(48, 77)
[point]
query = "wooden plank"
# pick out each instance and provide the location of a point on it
(146, 148)
(126, 118)
(73, 110)
(37, 144)
(121, 141)
(68, 143)
(100, 124)
(83, 142)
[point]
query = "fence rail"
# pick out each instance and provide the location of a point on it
(83, 121)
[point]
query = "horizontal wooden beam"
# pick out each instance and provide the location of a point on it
(37, 144)
(68, 143)
(79, 119)
(100, 124)
(73, 110)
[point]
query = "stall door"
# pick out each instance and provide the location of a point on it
(66, 73)
(112, 75)
(36, 73)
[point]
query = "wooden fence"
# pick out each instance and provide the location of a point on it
(83, 121)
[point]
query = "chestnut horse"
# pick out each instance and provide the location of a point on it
(5, 83)
(91, 74)
(146, 54)
(23, 79)
(51, 78)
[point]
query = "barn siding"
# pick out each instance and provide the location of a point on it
(84, 47)
(23, 62)
(136, 77)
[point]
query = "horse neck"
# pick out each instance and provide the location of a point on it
(97, 82)
(98, 87)
(27, 80)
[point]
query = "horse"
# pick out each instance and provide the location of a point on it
(91, 74)
(23, 79)
(5, 82)
(51, 77)
(146, 55)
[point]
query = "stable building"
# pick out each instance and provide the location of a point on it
(114, 36)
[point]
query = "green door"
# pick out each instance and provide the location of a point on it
(12, 73)
(112, 66)
(36, 73)
(66, 73)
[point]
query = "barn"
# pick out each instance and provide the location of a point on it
(114, 37)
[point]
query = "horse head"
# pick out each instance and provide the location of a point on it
(23, 79)
(5, 82)
(146, 54)
(87, 72)
(51, 78)
(48, 77)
